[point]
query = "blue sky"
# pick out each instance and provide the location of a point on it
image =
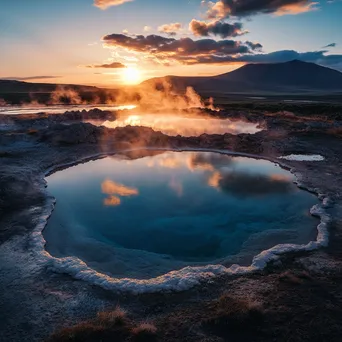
(61, 37)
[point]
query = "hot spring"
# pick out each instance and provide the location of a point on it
(174, 124)
(170, 123)
(145, 213)
(57, 109)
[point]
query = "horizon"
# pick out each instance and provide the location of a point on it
(111, 87)
(205, 39)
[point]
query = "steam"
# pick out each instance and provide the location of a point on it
(184, 124)
(148, 96)
(62, 95)
(164, 96)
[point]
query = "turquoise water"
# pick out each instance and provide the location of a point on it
(144, 214)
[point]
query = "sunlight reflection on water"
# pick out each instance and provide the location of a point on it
(58, 109)
(179, 124)
(168, 123)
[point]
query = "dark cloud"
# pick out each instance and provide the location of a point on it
(138, 43)
(248, 184)
(104, 4)
(170, 29)
(29, 78)
(183, 50)
(221, 175)
(217, 28)
(114, 65)
(319, 57)
(241, 8)
(187, 51)
(254, 46)
(209, 161)
(329, 45)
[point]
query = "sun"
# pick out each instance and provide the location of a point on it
(131, 75)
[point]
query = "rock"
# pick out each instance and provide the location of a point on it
(71, 134)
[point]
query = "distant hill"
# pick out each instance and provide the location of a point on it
(18, 92)
(9, 86)
(294, 76)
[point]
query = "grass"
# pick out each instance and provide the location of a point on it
(32, 131)
(294, 278)
(112, 318)
(230, 316)
(336, 132)
(108, 326)
(144, 332)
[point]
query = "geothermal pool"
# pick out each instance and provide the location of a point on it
(174, 124)
(146, 213)
(57, 109)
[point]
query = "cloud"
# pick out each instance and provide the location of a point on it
(29, 78)
(183, 50)
(254, 46)
(222, 175)
(147, 28)
(114, 190)
(217, 28)
(329, 45)
(242, 8)
(170, 163)
(167, 50)
(247, 184)
(170, 29)
(104, 4)
(111, 188)
(208, 161)
(114, 65)
(318, 57)
(112, 201)
(176, 186)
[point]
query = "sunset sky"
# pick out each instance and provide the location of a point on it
(111, 42)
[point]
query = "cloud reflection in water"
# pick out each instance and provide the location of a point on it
(111, 188)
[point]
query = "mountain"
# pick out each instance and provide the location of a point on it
(294, 76)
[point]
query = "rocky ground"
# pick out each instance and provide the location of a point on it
(296, 299)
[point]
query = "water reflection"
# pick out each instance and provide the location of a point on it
(247, 184)
(112, 201)
(208, 161)
(58, 109)
(164, 211)
(185, 125)
(177, 186)
(114, 190)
